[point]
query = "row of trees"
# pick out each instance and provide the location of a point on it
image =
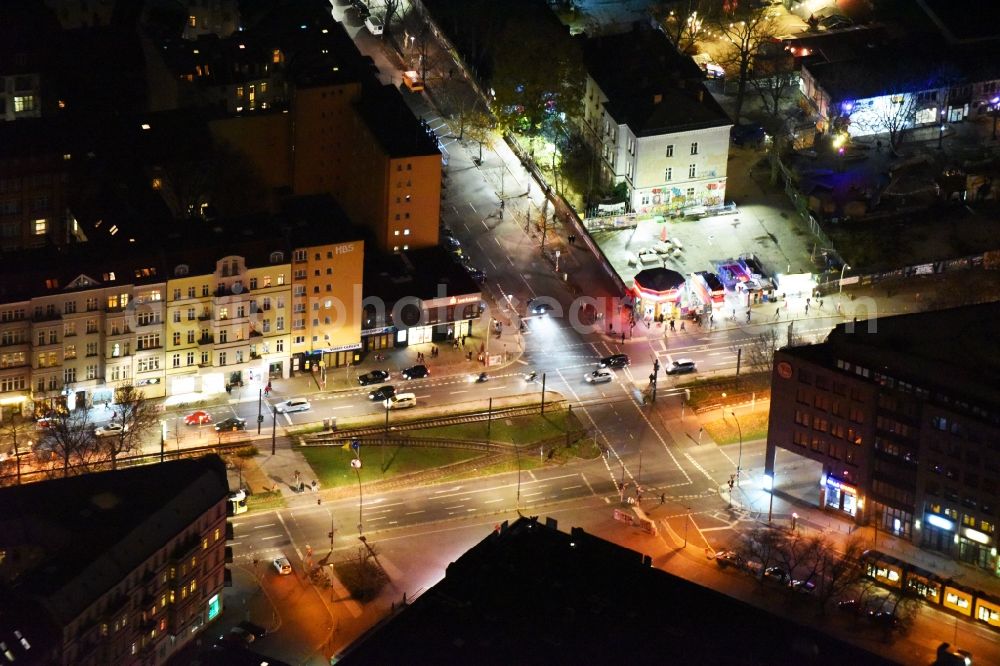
(69, 444)
(835, 570)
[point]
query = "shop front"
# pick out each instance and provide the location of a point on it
(443, 320)
(839, 495)
(375, 339)
(658, 293)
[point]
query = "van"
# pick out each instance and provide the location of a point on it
(401, 401)
(374, 25)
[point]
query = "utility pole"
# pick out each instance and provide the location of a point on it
(739, 359)
(274, 429)
(489, 418)
(543, 394)
(260, 414)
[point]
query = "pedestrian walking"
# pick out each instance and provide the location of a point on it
(682, 324)
(663, 498)
(671, 324)
(748, 315)
(623, 337)
(807, 307)
(821, 304)
(840, 309)
(777, 313)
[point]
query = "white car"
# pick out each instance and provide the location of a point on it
(400, 401)
(293, 405)
(599, 376)
(110, 430)
(282, 565)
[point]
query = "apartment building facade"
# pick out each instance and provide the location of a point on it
(130, 569)
(903, 419)
(181, 325)
(656, 128)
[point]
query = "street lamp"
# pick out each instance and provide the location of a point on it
(995, 102)
(842, 269)
(769, 487)
(941, 130)
(739, 460)
(356, 464)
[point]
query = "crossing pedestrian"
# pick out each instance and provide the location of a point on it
(777, 313)
(748, 315)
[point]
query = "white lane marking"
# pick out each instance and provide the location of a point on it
(257, 527)
(492, 501)
(572, 487)
(276, 536)
(413, 513)
(457, 506)
(457, 392)
(540, 492)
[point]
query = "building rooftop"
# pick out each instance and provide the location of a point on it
(650, 86)
(950, 350)
(425, 274)
(530, 594)
(75, 538)
(398, 131)
(964, 21)
(907, 67)
(156, 251)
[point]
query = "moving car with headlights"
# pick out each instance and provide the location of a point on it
(599, 376)
(382, 393)
(110, 430)
(416, 372)
(615, 361)
(681, 366)
(293, 405)
(373, 377)
(400, 401)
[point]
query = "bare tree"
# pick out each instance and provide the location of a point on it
(15, 431)
(135, 416)
(761, 548)
(746, 30)
(479, 128)
(684, 21)
(838, 571)
(69, 439)
(773, 78)
(391, 9)
(891, 114)
(757, 353)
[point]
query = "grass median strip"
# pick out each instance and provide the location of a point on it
(726, 430)
(332, 464)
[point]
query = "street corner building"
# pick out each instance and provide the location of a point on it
(902, 417)
(531, 594)
(120, 567)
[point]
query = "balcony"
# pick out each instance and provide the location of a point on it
(46, 316)
(205, 316)
(206, 340)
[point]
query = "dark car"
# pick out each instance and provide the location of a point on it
(234, 423)
(776, 574)
(476, 274)
(416, 372)
(747, 135)
(373, 377)
(382, 393)
(727, 558)
(615, 361)
(539, 308)
(450, 242)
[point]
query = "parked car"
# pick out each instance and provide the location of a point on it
(233, 423)
(776, 575)
(681, 366)
(400, 401)
(614, 361)
(727, 558)
(110, 430)
(450, 242)
(293, 405)
(246, 633)
(382, 393)
(282, 565)
(477, 275)
(599, 376)
(373, 377)
(802, 586)
(416, 372)
(198, 417)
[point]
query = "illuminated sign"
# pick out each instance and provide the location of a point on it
(976, 535)
(832, 482)
(214, 607)
(344, 249)
(938, 521)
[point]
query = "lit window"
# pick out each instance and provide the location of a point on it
(40, 227)
(406, 232)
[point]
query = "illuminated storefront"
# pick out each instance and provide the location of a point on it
(658, 292)
(840, 495)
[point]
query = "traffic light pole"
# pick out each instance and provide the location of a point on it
(274, 429)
